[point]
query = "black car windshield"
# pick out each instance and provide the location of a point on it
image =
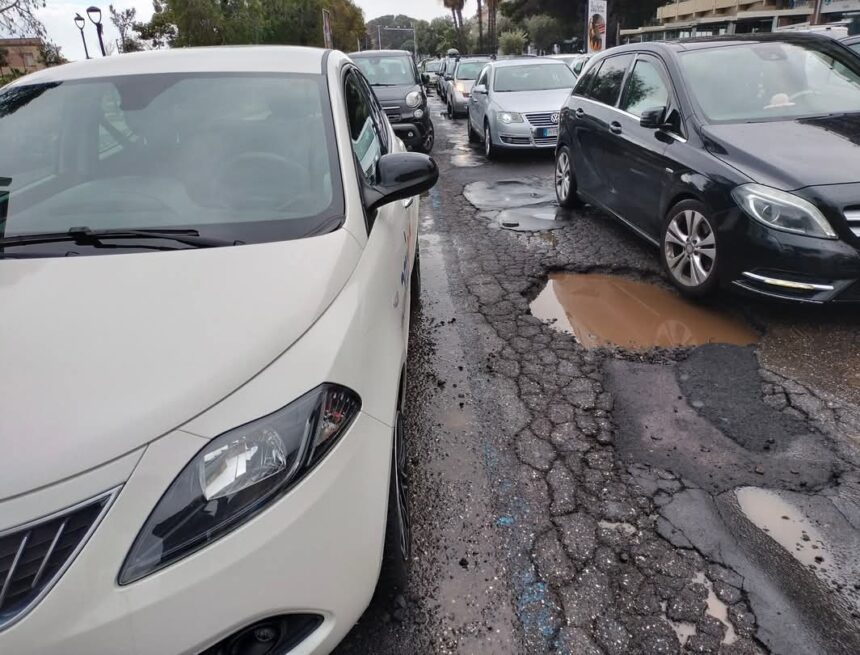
(392, 71)
(469, 70)
(533, 77)
(244, 157)
(772, 80)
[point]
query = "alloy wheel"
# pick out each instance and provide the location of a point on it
(690, 248)
(562, 176)
(401, 489)
(429, 138)
(488, 141)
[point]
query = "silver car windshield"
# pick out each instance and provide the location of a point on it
(772, 81)
(162, 151)
(533, 77)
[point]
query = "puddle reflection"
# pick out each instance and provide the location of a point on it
(606, 310)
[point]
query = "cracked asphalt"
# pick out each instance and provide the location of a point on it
(604, 502)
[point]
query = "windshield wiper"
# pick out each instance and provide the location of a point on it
(383, 84)
(84, 236)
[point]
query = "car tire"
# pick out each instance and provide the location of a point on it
(415, 281)
(450, 110)
(689, 249)
(397, 553)
(429, 139)
(474, 137)
(490, 150)
(565, 181)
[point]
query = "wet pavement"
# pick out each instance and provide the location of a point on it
(651, 477)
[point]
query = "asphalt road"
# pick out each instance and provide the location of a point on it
(607, 501)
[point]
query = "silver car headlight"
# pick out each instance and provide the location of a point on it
(413, 99)
(508, 117)
(784, 211)
(237, 475)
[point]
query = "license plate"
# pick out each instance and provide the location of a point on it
(547, 132)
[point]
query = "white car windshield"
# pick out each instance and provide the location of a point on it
(533, 77)
(772, 81)
(249, 156)
(387, 71)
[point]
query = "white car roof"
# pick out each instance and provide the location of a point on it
(224, 59)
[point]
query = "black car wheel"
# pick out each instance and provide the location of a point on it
(450, 110)
(473, 136)
(565, 182)
(429, 139)
(398, 534)
(489, 149)
(688, 249)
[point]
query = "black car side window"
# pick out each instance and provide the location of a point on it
(646, 88)
(606, 87)
(582, 86)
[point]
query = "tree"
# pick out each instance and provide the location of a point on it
(51, 54)
(456, 7)
(437, 36)
(512, 43)
(18, 18)
(124, 21)
(543, 31)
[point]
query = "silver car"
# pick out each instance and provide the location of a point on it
(461, 84)
(515, 104)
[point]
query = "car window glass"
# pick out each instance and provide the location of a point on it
(584, 82)
(362, 128)
(387, 70)
(772, 81)
(228, 152)
(606, 86)
(855, 47)
(469, 70)
(645, 88)
(378, 114)
(482, 78)
(533, 77)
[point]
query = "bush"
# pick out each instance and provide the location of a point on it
(544, 31)
(512, 43)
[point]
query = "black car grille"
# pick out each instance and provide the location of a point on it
(32, 557)
(393, 114)
(543, 119)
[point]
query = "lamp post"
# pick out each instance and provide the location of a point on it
(80, 23)
(95, 15)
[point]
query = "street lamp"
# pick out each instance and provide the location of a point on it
(80, 23)
(95, 15)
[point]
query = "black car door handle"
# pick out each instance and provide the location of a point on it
(580, 112)
(615, 127)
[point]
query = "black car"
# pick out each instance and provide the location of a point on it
(738, 156)
(398, 87)
(853, 42)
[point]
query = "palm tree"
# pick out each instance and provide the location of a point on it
(456, 7)
(480, 28)
(492, 7)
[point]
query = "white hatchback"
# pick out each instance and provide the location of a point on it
(207, 263)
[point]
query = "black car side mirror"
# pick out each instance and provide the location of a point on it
(401, 175)
(654, 118)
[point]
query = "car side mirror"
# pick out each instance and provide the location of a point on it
(401, 175)
(449, 77)
(425, 78)
(480, 88)
(654, 118)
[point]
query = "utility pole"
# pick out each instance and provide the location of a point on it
(816, 16)
(378, 37)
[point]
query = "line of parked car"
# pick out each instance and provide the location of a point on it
(736, 156)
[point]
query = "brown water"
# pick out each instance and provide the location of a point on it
(602, 310)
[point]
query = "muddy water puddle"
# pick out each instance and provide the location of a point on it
(607, 310)
(508, 194)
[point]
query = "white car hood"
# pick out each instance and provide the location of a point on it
(102, 354)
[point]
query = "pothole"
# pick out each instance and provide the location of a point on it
(785, 524)
(531, 219)
(607, 310)
(718, 609)
(508, 194)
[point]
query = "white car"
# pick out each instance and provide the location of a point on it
(207, 263)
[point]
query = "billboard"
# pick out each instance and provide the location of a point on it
(327, 29)
(595, 35)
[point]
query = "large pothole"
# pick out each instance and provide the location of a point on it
(608, 310)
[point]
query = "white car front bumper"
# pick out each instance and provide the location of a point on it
(317, 550)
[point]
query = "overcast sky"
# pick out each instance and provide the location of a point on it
(59, 16)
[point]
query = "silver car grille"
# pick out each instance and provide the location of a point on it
(543, 119)
(35, 555)
(548, 141)
(853, 218)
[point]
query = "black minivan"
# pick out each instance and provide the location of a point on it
(738, 156)
(400, 90)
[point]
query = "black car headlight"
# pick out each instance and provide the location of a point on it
(783, 211)
(237, 475)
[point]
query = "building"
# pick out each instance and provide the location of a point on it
(687, 18)
(20, 54)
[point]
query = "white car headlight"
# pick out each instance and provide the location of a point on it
(238, 474)
(508, 117)
(784, 211)
(413, 99)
